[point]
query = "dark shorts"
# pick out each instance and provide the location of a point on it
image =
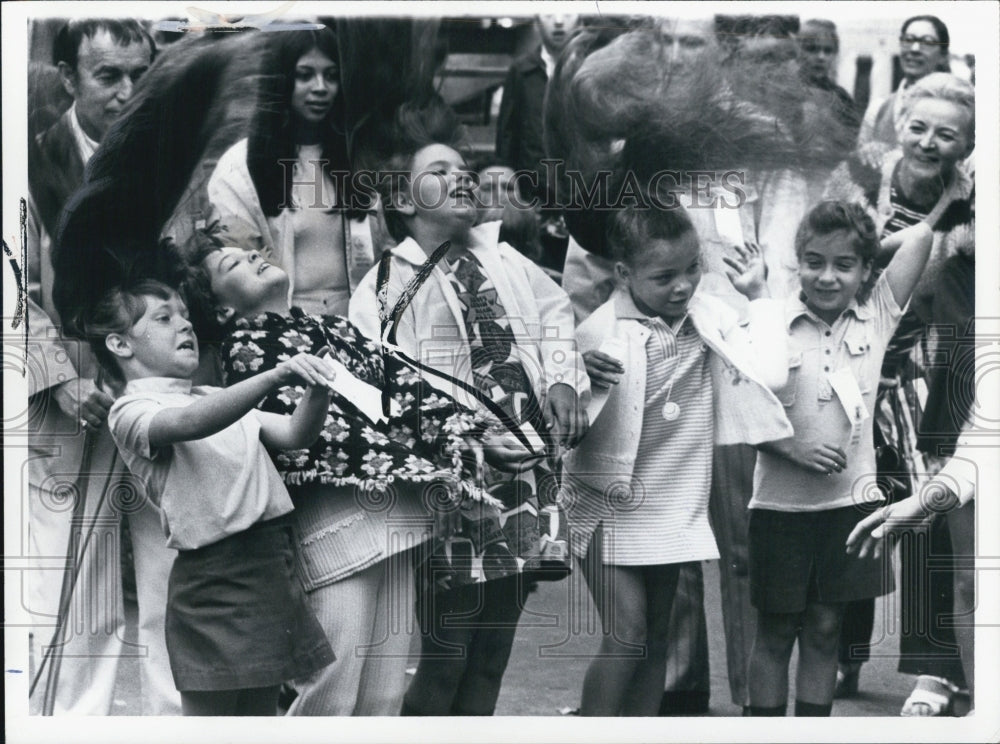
(800, 557)
(237, 616)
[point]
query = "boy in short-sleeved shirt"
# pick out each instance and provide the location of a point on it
(807, 487)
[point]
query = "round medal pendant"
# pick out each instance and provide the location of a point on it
(671, 411)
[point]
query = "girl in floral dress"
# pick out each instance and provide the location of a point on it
(363, 493)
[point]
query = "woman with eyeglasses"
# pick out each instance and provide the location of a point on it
(923, 49)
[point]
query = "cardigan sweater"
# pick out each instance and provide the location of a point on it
(361, 490)
(743, 365)
(952, 219)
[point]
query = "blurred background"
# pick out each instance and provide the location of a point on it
(474, 54)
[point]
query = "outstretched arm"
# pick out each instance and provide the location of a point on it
(214, 412)
(299, 430)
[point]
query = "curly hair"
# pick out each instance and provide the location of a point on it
(839, 216)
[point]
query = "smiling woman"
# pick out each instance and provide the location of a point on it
(924, 181)
(285, 190)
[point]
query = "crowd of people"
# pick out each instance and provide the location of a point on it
(327, 375)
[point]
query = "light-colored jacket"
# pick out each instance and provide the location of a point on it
(746, 360)
(234, 197)
(432, 329)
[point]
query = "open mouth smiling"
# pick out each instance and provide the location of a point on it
(463, 194)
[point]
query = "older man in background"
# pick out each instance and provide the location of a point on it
(78, 489)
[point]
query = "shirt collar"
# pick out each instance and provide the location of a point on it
(626, 309)
(549, 61)
(481, 238)
(158, 385)
(796, 308)
(84, 144)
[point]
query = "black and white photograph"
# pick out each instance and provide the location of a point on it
(262, 454)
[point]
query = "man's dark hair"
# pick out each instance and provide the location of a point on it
(125, 31)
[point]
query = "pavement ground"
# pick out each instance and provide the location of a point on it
(559, 632)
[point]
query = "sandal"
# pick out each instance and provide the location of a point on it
(931, 696)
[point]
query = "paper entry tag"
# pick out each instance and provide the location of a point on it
(367, 398)
(845, 384)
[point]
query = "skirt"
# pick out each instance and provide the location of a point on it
(237, 617)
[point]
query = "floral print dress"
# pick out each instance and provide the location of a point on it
(422, 443)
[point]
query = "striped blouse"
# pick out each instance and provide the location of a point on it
(663, 516)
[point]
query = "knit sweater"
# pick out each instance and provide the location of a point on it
(362, 490)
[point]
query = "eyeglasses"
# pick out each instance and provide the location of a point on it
(925, 42)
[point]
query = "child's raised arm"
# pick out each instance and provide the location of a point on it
(213, 413)
(912, 248)
(748, 273)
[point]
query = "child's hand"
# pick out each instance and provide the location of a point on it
(872, 154)
(748, 273)
(505, 452)
(919, 232)
(564, 414)
(604, 369)
(307, 369)
(819, 458)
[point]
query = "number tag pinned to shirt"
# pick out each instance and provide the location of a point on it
(845, 385)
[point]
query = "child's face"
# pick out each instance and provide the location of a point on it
(663, 277)
(243, 280)
(442, 190)
(831, 273)
(162, 342)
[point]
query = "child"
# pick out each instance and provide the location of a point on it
(237, 623)
(807, 488)
(677, 375)
(362, 492)
(491, 318)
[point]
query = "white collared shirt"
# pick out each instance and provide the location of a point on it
(84, 144)
(855, 343)
(549, 61)
(207, 489)
(432, 329)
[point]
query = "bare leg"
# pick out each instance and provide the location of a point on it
(620, 595)
(962, 523)
(819, 641)
(772, 651)
(644, 694)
